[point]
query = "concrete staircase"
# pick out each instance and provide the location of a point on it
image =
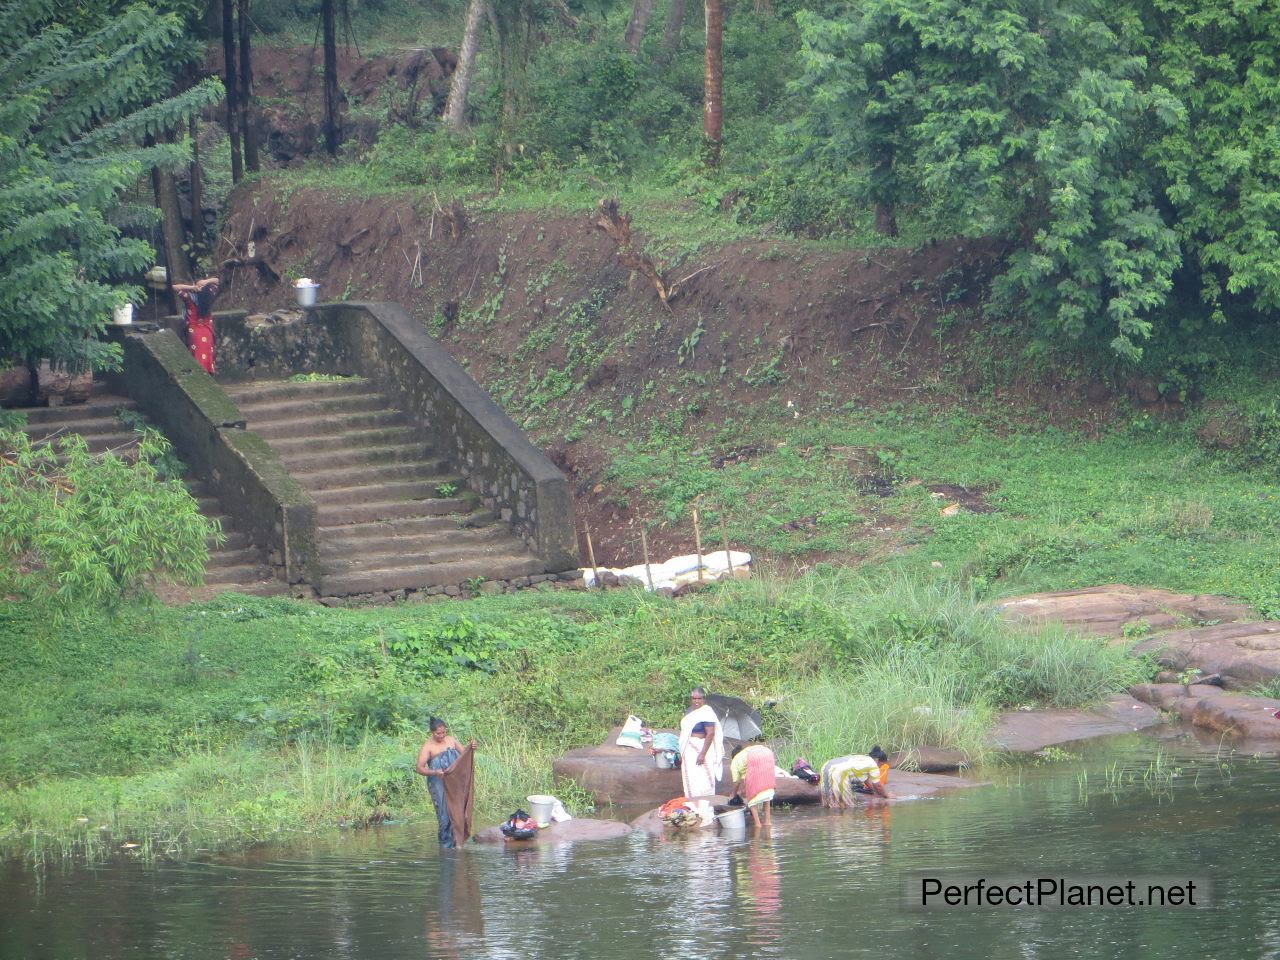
(235, 565)
(392, 516)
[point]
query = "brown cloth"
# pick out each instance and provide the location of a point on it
(459, 794)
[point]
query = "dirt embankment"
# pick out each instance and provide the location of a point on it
(539, 308)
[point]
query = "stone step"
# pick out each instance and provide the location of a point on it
(429, 575)
(352, 440)
(304, 409)
(239, 573)
(87, 428)
(222, 558)
(414, 529)
(405, 490)
(339, 514)
(261, 588)
(96, 409)
(367, 474)
(262, 391)
(327, 425)
(387, 558)
(300, 463)
(232, 539)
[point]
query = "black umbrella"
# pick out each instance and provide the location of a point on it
(741, 721)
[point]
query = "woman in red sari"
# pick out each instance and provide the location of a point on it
(198, 299)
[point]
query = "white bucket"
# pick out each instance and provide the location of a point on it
(735, 819)
(123, 314)
(306, 294)
(540, 807)
(663, 759)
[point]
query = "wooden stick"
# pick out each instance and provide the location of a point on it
(697, 540)
(591, 556)
(644, 546)
(724, 535)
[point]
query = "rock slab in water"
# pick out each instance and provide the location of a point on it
(1212, 708)
(1024, 732)
(1245, 654)
(1108, 609)
(568, 831)
(626, 776)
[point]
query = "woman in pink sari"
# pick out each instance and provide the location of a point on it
(198, 299)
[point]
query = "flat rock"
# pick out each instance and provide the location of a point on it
(1027, 731)
(568, 831)
(932, 759)
(1244, 654)
(1107, 610)
(903, 786)
(1211, 708)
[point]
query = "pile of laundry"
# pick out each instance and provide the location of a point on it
(677, 571)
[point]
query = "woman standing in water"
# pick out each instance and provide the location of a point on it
(449, 768)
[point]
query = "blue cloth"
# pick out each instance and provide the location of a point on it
(666, 741)
(442, 761)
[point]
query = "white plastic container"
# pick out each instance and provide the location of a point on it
(306, 294)
(663, 759)
(735, 819)
(540, 807)
(123, 314)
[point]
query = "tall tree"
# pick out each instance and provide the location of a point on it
(248, 132)
(229, 82)
(195, 174)
(713, 83)
(641, 11)
(74, 111)
(177, 263)
(455, 109)
(1022, 119)
(671, 33)
(332, 130)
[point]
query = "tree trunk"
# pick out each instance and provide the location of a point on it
(671, 35)
(455, 110)
(886, 222)
(331, 133)
(177, 266)
(764, 7)
(641, 11)
(713, 83)
(229, 81)
(196, 175)
(248, 134)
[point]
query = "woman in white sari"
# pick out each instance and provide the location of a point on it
(701, 752)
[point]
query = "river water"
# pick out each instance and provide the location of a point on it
(824, 885)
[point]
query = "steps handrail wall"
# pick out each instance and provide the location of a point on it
(208, 432)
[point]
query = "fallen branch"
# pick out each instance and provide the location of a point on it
(671, 290)
(618, 227)
(868, 326)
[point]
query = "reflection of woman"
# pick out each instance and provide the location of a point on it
(198, 299)
(701, 753)
(447, 765)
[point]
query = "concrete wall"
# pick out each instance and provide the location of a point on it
(208, 432)
(382, 342)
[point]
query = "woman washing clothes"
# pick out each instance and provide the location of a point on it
(701, 753)
(449, 768)
(198, 299)
(753, 770)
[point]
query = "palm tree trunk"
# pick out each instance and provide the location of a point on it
(713, 83)
(249, 135)
(331, 136)
(229, 81)
(641, 11)
(196, 175)
(671, 34)
(455, 110)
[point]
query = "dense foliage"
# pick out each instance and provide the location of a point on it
(78, 529)
(76, 115)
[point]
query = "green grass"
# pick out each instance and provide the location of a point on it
(242, 720)
(1143, 504)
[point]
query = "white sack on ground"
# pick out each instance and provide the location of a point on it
(680, 570)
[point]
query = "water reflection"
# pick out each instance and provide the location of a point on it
(455, 923)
